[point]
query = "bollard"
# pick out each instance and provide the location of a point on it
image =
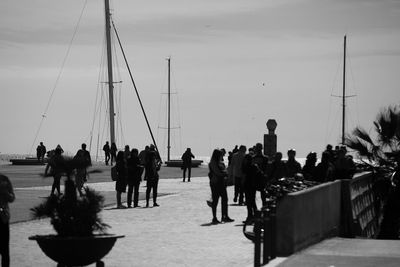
(272, 218)
(257, 239)
(267, 233)
(263, 233)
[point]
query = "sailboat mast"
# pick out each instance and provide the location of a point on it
(110, 72)
(344, 92)
(169, 109)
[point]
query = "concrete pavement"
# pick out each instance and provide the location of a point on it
(178, 233)
(345, 252)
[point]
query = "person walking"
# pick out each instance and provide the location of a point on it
(217, 176)
(120, 184)
(83, 160)
(135, 171)
(238, 175)
(152, 168)
(107, 152)
(6, 196)
(55, 168)
(187, 163)
(113, 152)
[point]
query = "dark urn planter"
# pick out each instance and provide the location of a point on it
(76, 251)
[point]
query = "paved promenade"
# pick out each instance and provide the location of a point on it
(178, 233)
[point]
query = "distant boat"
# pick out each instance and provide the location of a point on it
(174, 162)
(344, 96)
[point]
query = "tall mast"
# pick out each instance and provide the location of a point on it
(169, 109)
(344, 91)
(110, 72)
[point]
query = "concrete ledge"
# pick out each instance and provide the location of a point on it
(307, 217)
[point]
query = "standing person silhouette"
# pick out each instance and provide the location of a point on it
(113, 152)
(84, 160)
(152, 168)
(107, 152)
(262, 162)
(41, 152)
(55, 168)
(135, 171)
(127, 153)
(292, 165)
(143, 157)
(187, 163)
(238, 175)
(251, 172)
(217, 177)
(6, 196)
(120, 184)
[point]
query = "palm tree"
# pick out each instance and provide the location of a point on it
(382, 156)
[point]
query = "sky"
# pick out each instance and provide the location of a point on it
(234, 63)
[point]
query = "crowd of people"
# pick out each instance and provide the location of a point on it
(251, 171)
(130, 166)
(57, 166)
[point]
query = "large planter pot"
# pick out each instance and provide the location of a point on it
(76, 251)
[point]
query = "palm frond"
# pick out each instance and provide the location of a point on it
(359, 146)
(363, 135)
(387, 125)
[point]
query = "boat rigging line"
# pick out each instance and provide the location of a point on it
(134, 85)
(44, 115)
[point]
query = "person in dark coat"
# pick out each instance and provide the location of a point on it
(292, 165)
(83, 160)
(113, 152)
(6, 196)
(308, 170)
(143, 157)
(251, 172)
(187, 163)
(277, 169)
(40, 152)
(238, 175)
(152, 167)
(135, 171)
(120, 184)
(325, 169)
(107, 152)
(55, 168)
(217, 176)
(344, 167)
(262, 162)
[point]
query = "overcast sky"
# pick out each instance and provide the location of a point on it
(235, 64)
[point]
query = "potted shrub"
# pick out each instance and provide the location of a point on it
(81, 237)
